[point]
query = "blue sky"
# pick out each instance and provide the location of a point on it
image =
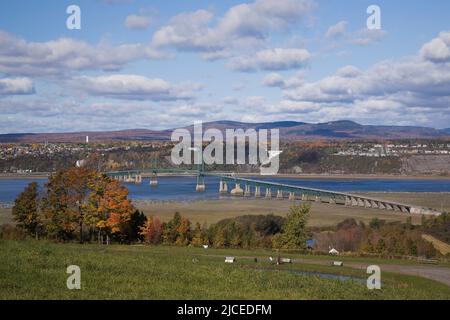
(162, 64)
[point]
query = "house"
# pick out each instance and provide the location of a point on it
(333, 252)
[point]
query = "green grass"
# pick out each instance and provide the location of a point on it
(37, 270)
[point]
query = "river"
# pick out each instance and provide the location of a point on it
(183, 188)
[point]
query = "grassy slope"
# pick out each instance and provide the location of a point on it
(36, 270)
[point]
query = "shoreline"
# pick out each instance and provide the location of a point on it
(305, 176)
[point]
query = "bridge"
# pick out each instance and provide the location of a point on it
(246, 187)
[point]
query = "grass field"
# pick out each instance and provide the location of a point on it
(37, 270)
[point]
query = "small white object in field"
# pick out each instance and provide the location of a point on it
(205, 246)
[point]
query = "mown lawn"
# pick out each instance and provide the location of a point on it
(37, 270)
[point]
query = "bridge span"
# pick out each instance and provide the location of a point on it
(246, 187)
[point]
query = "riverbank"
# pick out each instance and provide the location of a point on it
(302, 176)
(322, 214)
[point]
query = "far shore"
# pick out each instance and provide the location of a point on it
(304, 176)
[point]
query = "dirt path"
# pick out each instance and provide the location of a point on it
(440, 274)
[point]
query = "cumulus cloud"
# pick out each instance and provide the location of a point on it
(16, 86)
(438, 49)
(271, 59)
(20, 57)
(401, 89)
(135, 21)
(337, 29)
(242, 25)
(134, 87)
(273, 80)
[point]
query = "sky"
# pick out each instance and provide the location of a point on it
(164, 64)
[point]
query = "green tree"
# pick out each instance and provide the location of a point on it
(26, 210)
(197, 236)
(294, 235)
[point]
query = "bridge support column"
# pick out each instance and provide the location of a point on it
(280, 194)
(374, 204)
(388, 206)
(200, 187)
(354, 201)
(247, 192)
(360, 202)
(291, 195)
(237, 191)
(153, 180)
(268, 193)
(381, 206)
(331, 200)
(404, 209)
(138, 179)
(304, 197)
(223, 188)
(257, 192)
(317, 198)
(367, 204)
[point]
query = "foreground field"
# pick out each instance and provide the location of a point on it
(37, 270)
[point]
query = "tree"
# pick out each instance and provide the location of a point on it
(197, 236)
(294, 235)
(170, 233)
(151, 231)
(183, 232)
(26, 210)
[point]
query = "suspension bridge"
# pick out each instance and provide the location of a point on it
(230, 183)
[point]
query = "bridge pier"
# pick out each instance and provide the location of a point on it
(291, 195)
(223, 188)
(317, 199)
(153, 180)
(138, 179)
(280, 194)
(367, 204)
(237, 191)
(304, 197)
(331, 200)
(247, 191)
(257, 192)
(200, 187)
(268, 193)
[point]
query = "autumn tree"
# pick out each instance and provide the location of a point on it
(26, 210)
(152, 231)
(293, 235)
(197, 235)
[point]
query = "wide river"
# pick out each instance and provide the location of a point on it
(183, 188)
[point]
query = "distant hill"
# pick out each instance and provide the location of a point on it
(289, 130)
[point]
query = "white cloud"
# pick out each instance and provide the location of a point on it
(366, 36)
(243, 25)
(337, 29)
(400, 89)
(55, 57)
(273, 80)
(16, 86)
(135, 21)
(438, 49)
(134, 87)
(271, 59)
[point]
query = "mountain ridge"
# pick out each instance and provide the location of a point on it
(289, 130)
